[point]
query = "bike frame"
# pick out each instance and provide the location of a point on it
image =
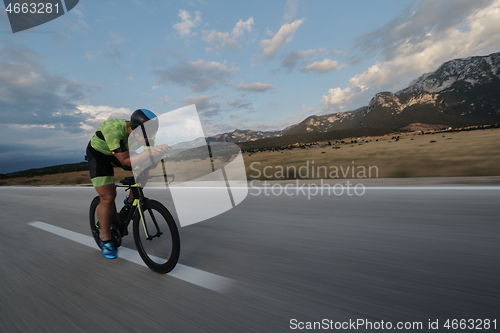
(157, 222)
(139, 200)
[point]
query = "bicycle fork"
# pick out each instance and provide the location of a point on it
(143, 221)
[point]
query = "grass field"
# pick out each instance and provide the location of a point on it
(446, 154)
(440, 154)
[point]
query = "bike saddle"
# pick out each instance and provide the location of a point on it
(128, 181)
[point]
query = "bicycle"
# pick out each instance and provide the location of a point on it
(158, 225)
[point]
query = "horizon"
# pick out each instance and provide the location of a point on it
(249, 68)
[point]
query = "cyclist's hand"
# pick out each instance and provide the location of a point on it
(159, 150)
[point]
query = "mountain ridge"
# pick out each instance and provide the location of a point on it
(461, 92)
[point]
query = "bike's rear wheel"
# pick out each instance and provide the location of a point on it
(94, 225)
(156, 237)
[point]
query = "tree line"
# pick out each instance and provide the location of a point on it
(71, 167)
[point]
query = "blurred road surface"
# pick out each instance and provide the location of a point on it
(392, 255)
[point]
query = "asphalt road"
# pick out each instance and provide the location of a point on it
(277, 263)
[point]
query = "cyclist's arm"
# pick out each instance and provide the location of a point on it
(156, 151)
(124, 158)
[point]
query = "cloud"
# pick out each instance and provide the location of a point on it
(199, 75)
(45, 117)
(164, 100)
(114, 45)
(204, 106)
(283, 36)
(418, 41)
(220, 40)
(324, 66)
(292, 59)
(240, 104)
(300, 59)
(75, 20)
(436, 32)
(255, 87)
(187, 23)
(423, 21)
(339, 98)
(95, 115)
(306, 110)
(131, 79)
(27, 154)
(209, 108)
(290, 10)
(226, 40)
(113, 53)
(31, 96)
(90, 55)
(241, 26)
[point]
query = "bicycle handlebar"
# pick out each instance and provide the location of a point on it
(171, 175)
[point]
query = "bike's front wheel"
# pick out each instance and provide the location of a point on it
(156, 237)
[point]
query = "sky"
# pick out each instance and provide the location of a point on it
(261, 65)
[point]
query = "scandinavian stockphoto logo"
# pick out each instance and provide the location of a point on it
(26, 14)
(210, 177)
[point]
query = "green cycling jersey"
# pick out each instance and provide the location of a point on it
(111, 137)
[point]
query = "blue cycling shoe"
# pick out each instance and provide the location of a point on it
(109, 250)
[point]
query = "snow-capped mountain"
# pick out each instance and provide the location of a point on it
(246, 135)
(460, 92)
(456, 74)
(234, 136)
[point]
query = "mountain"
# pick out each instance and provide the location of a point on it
(461, 92)
(234, 136)
(198, 142)
(247, 135)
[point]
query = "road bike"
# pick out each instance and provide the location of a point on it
(155, 232)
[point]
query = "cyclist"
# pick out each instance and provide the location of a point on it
(109, 145)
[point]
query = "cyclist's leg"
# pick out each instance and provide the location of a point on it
(102, 176)
(106, 209)
(130, 197)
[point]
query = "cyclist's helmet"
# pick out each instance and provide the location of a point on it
(142, 116)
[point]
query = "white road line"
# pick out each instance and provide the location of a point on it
(372, 187)
(462, 188)
(369, 187)
(188, 274)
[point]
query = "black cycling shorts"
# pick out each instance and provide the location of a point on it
(101, 167)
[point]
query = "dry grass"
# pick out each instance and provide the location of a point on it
(68, 178)
(448, 154)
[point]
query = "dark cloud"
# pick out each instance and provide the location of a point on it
(114, 55)
(199, 75)
(208, 108)
(240, 104)
(31, 96)
(293, 58)
(26, 162)
(255, 87)
(204, 105)
(19, 156)
(40, 118)
(301, 59)
(420, 20)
